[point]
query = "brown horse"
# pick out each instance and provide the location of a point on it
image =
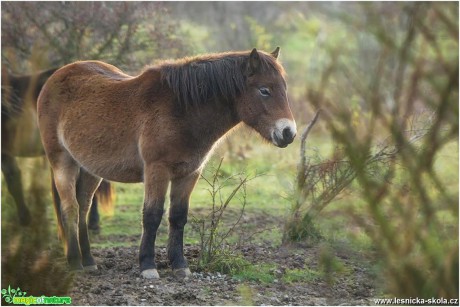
(159, 127)
(21, 138)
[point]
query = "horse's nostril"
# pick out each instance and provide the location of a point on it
(287, 134)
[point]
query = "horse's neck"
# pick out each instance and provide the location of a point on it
(213, 121)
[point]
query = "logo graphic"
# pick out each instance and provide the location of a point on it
(18, 297)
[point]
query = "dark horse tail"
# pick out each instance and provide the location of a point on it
(104, 193)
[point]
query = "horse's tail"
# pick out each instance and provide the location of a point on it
(57, 209)
(105, 195)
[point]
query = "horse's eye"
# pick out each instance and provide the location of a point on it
(264, 91)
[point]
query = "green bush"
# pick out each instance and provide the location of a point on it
(407, 92)
(216, 253)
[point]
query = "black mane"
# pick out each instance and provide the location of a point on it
(198, 80)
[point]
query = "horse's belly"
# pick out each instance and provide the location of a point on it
(119, 171)
(116, 161)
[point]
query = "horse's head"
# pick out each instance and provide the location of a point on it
(264, 104)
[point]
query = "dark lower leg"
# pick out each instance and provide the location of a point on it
(181, 189)
(86, 186)
(177, 220)
(93, 220)
(151, 219)
(73, 248)
(87, 257)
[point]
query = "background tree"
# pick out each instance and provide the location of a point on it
(38, 35)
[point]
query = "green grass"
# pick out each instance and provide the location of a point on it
(224, 261)
(267, 202)
(263, 273)
(301, 275)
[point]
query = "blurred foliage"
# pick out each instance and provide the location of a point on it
(258, 35)
(330, 265)
(320, 181)
(29, 259)
(409, 65)
(125, 34)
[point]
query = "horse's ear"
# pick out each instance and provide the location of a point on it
(254, 61)
(276, 52)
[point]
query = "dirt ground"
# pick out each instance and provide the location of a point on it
(118, 282)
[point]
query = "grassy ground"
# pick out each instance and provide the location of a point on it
(267, 195)
(268, 203)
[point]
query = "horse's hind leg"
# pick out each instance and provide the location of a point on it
(14, 183)
(180, 196)
(86, 186)
(93, 219)
(66, 172)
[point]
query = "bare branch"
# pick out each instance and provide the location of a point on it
(305, 133)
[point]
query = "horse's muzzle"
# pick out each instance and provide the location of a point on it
(284, 132)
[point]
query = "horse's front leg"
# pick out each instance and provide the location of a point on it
(156, 180)
(180, 195)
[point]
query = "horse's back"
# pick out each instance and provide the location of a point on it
(80, 84)
(87, 74)
(89, 68)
